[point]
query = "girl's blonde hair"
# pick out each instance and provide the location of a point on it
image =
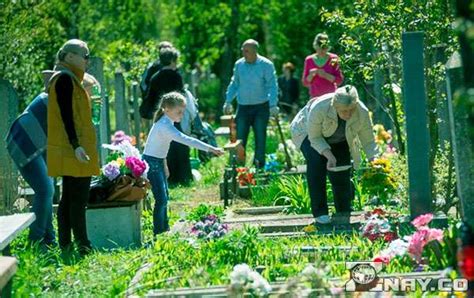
(346, 96)
(169, 100)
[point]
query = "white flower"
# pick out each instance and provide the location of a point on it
(305, 292)
(125, 147)
(291, 145)
(397, 247)
(240, 274)
(396, 89)
(336, 291)
(259, 285)
(440, 201)
(309, 270)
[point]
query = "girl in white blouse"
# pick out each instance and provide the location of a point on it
(157, 145)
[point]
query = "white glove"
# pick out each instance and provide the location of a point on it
(227, 109)
(81, 155)
(274, 111)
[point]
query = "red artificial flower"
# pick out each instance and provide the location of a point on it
(390, 236)
(381, 259)
(378, 211)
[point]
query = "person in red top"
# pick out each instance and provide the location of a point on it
(322, 73)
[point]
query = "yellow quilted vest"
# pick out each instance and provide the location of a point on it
(60, 154)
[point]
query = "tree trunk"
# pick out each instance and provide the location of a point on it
(227, 60)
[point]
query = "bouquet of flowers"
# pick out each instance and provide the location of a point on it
(378, 226)
(414, 244)
(245, 176)
(209, 227)
(378, 180)
(383, 138)
(125, 169)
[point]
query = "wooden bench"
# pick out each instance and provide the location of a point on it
(10, 227)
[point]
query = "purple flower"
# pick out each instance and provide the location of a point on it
(119, 137)
(111, 170)
(209, 228)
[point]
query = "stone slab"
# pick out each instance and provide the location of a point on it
(114, 227)
(260, 210)
(222, 290)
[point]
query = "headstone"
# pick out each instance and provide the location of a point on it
(136, 114)
(121, 105)
(418, 138)
(462, 110)
(462, 142)
(96, 68)
(114, 227)
(8, 172)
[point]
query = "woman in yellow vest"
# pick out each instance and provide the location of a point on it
(71, 151)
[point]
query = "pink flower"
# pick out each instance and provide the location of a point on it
(422, 220)
(422, 237)
(417, 243)
(435, 234)
(136, 166)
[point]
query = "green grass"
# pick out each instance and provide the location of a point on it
(176, 262)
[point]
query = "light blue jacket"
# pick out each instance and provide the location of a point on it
(253, 83)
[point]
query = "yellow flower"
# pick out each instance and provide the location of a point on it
(120, 161)
(309, 229)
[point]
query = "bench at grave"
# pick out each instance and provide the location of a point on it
(8, 267)
(114, 224)
(10, 227)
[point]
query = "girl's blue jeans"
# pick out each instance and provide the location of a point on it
(159, 186)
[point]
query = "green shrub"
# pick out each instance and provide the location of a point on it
(204, 210)
(294, 192)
